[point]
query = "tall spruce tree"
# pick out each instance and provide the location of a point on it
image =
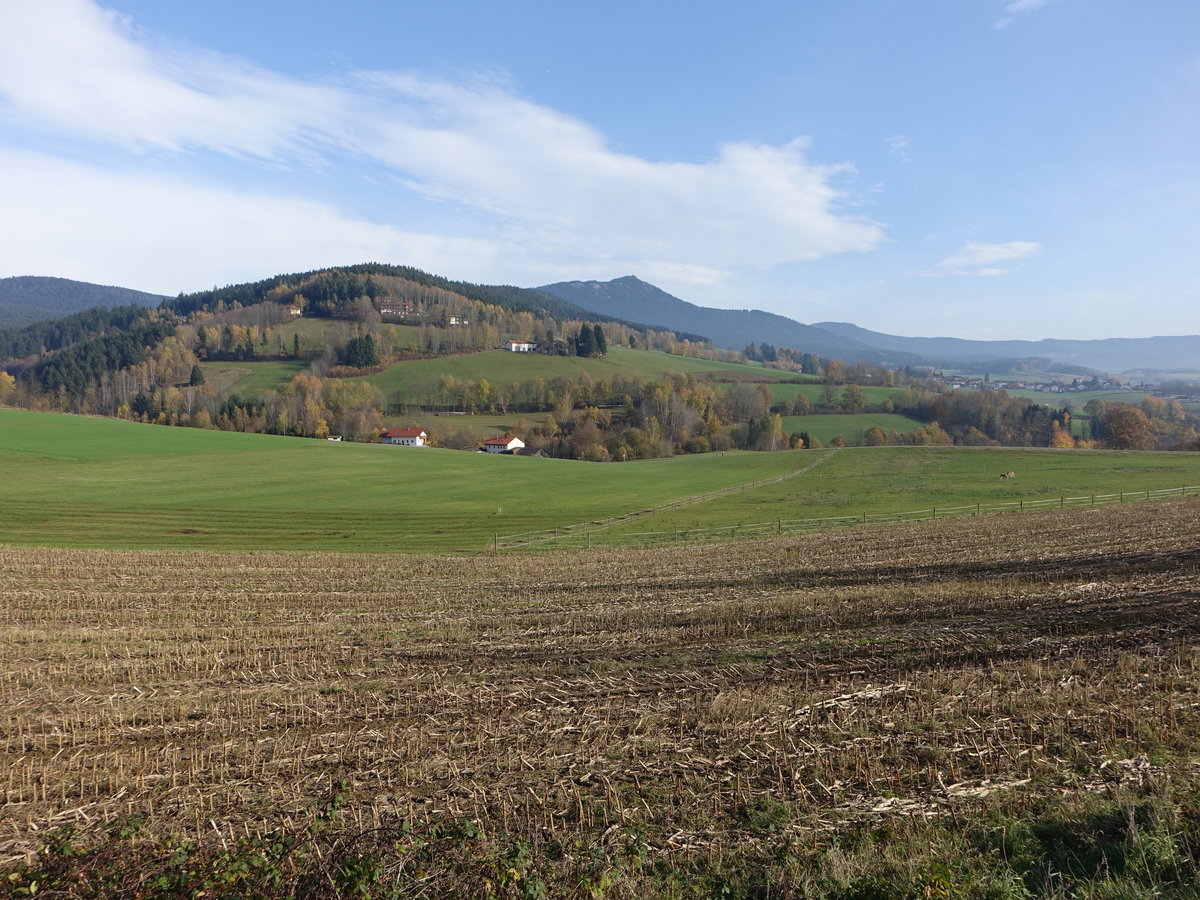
(585, 344)
(360, 352)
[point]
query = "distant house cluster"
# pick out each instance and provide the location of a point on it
(419, 437)
(963, 382)
(521, 346)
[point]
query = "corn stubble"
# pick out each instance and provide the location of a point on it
(816, 682)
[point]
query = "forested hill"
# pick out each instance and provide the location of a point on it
(29, 298)
(75, 358)
(635, 300)
(333, 291)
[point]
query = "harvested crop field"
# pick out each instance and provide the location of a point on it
(613, 723)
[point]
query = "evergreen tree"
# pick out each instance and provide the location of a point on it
(601, 342)
(197, 378)
(585, 344)
(360, 352)
(140, 405)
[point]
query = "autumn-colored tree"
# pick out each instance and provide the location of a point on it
(1062, 439)
(1155, 407)
(874, 436)
(1127, 428)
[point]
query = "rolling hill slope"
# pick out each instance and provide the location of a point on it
(29, 298)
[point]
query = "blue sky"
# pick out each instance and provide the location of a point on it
(976, 168)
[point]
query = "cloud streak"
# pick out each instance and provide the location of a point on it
(1016, 9)
(982, 260)
(544, 185)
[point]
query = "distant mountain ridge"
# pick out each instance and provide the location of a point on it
(26, 299)
(1165, 353)
(635, 300)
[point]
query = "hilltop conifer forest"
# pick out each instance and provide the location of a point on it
(341, 336)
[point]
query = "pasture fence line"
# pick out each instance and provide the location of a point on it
(583, 536)
(529, 538)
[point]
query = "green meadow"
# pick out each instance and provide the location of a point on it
(74, 481)
(250, 378)
(1077, 400)
(870, 480)
(88, 482)
(814, 392)
(826, 426)
(502, 366)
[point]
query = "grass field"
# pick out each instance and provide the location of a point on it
(850, 426)
(1077, 400)
(879, 480)
(502, 367)
(76, 481)
(250, 379)
(814, 392)
(311, 331)
(85, 482)
(999, 707)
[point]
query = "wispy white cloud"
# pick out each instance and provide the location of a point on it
(544, 184)
(163, 235)
(982, 260)
(897, 145)
(1016, 9)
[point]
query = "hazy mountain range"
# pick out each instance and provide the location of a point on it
(30, 298)
(27, 299)
(633, 299)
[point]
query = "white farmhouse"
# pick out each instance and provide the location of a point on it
(406, 437)
(502, 444)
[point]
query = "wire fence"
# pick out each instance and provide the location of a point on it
(564, 532)
(599, 534)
